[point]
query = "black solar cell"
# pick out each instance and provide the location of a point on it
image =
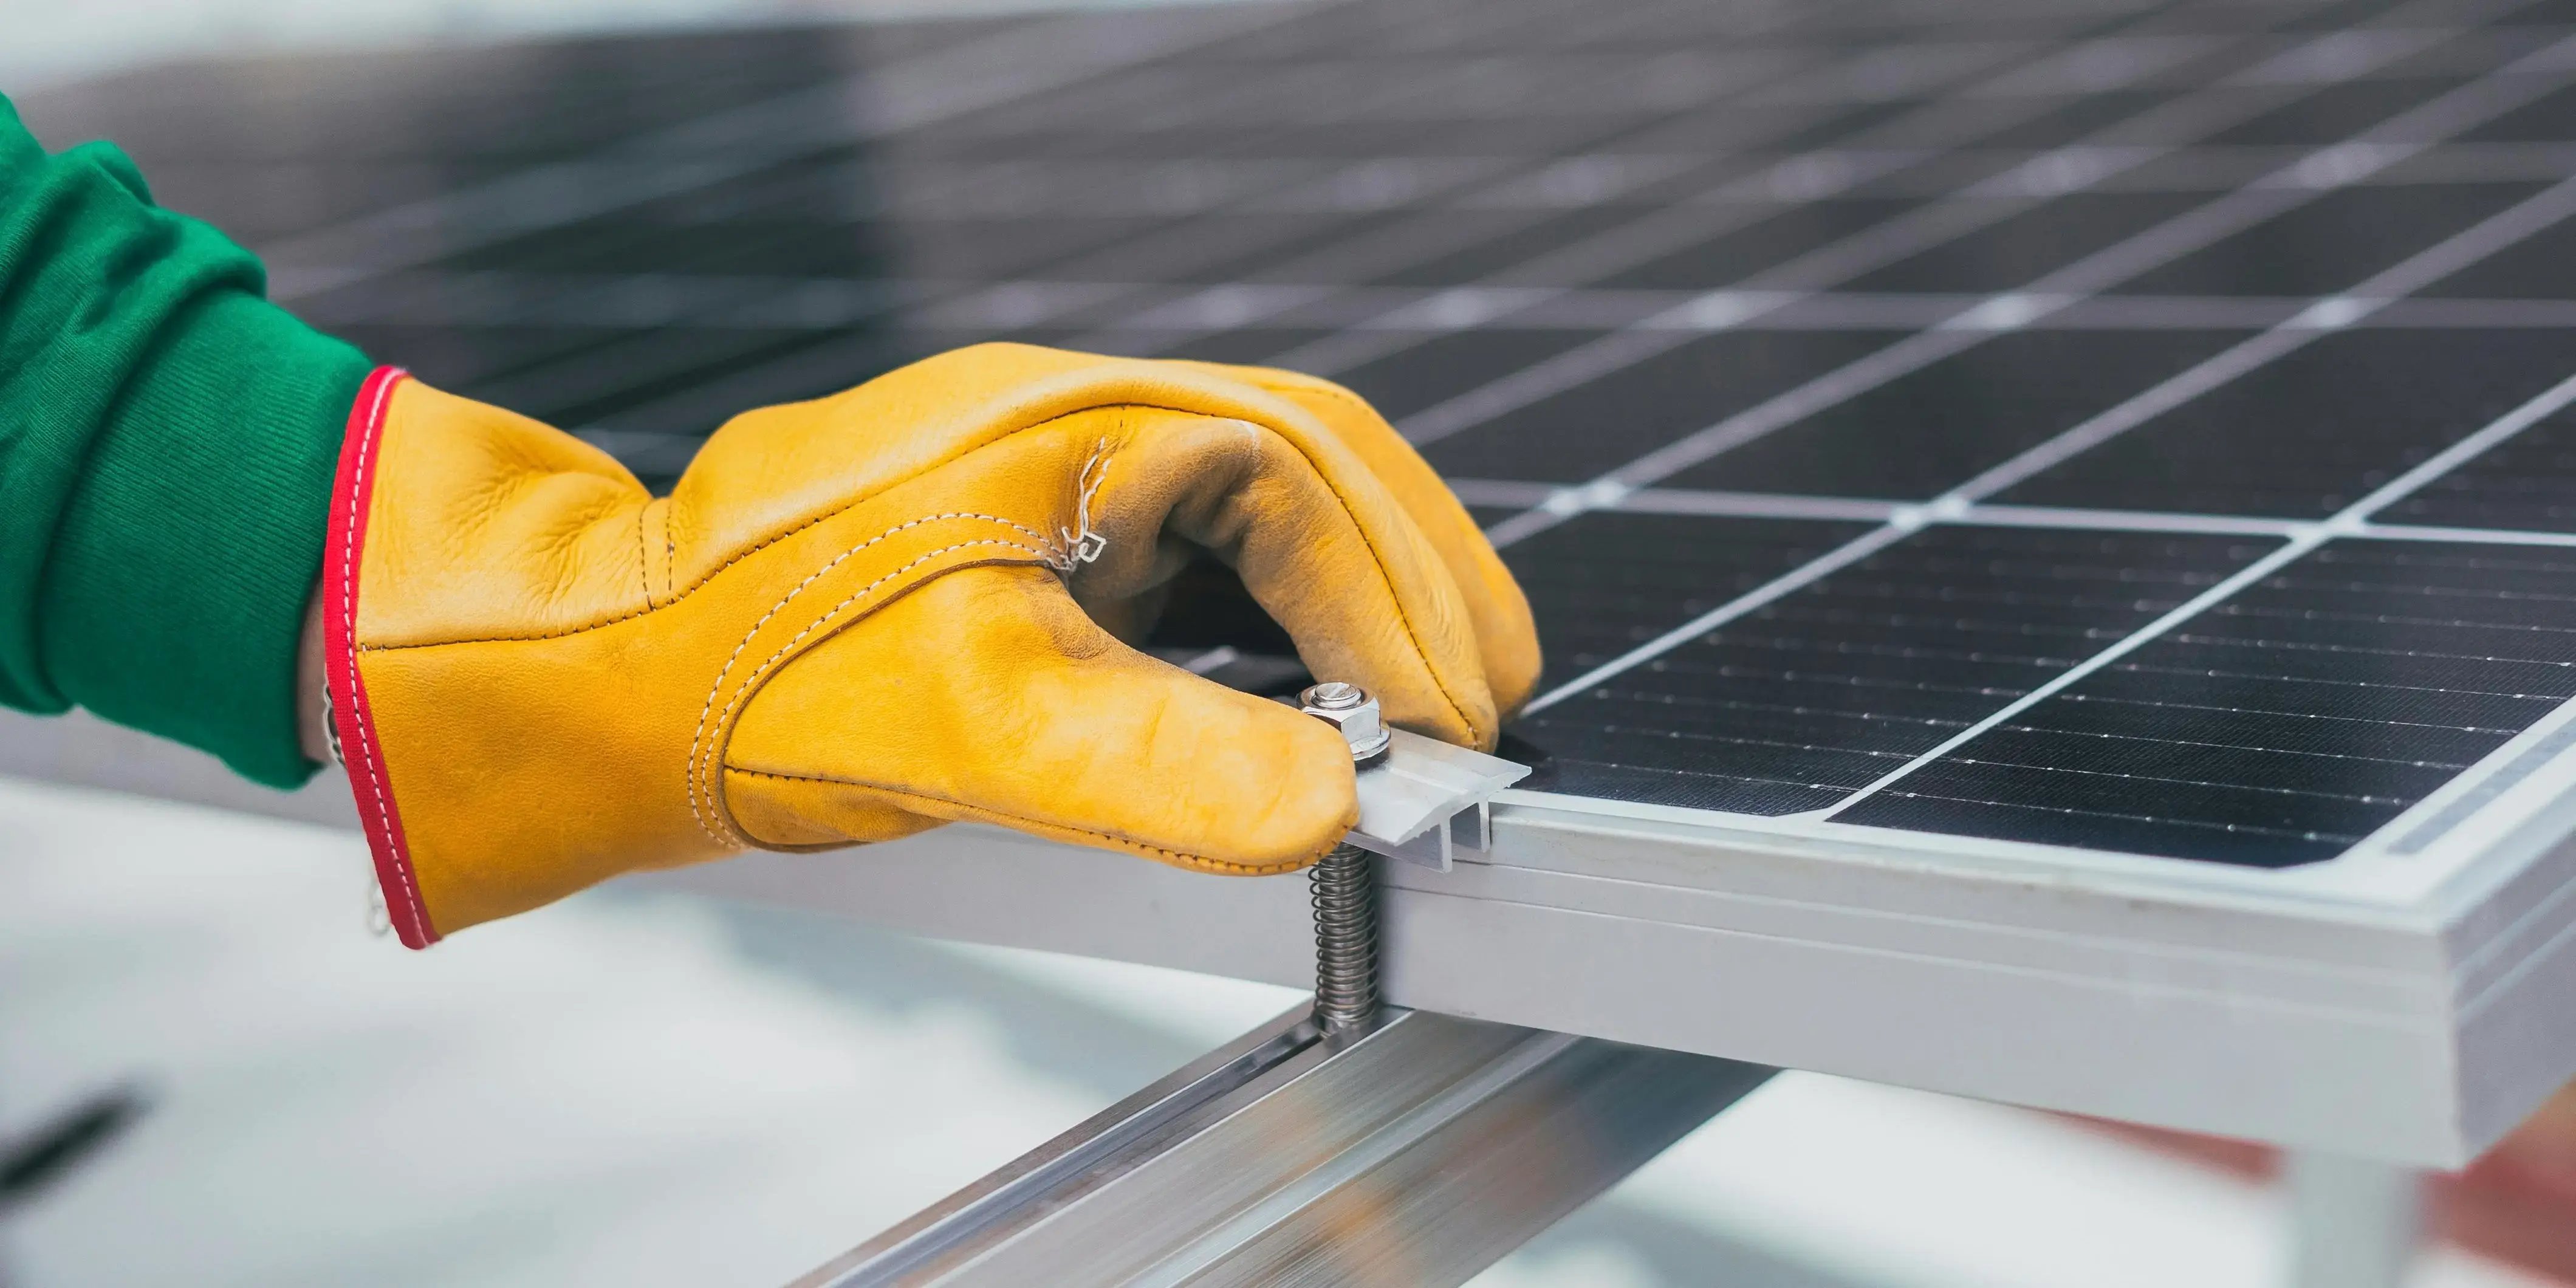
(1443, 367)
(2555, 13)
(2550, 119)
(1765, 127)
(2024, 247)
(1468, 259)
(586, 387)
(1925, 433)
(2073, 121)
(460, 358)
(2527, 482)
(2315, 431)
(2333, 243)
(2542, 268)
(1603, 423)
(1607, 582)
(968, 250)
(1250, 345)
(1769, 240)
(1213, 247)
(2335, 112)
(2332, 16)
(810, 365)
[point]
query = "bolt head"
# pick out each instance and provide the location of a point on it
(1350, 709)
(1333, 695)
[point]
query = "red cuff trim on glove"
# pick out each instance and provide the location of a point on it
(350, 716)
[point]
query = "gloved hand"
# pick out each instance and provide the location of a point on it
(863, 616)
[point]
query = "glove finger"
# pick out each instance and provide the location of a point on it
(1153, 451)
(1506, 638)
(1316, 539)
(988, 695)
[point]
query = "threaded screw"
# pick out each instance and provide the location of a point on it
(1342, 884)
(1345, 898)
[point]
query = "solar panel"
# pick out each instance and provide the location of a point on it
(2055, 423)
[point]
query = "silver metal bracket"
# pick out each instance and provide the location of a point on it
(1426, 800)
(1417, 1152)
(1347, 1144)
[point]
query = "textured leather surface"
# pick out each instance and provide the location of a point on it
(858, 617)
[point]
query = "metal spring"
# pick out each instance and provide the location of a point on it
(1345, 940)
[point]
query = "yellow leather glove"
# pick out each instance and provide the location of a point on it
(862, 616)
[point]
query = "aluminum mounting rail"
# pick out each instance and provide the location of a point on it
(1415, 1153)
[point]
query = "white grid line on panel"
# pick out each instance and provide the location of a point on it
(2485, 536)
(1506, 493)
(1759, 505)
(498, 298)
(1721, 503)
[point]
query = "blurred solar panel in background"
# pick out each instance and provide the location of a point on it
(2118, 425)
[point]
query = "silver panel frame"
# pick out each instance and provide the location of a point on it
(2403, 1005)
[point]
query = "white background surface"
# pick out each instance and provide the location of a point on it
(650, 1090)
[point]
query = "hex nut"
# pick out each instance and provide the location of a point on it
(1350, 709)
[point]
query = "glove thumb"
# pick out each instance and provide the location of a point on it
(988, 695)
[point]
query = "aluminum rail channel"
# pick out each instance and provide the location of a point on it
(1416, 1153)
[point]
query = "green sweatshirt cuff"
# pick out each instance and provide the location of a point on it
(175, 598)
(168, 440)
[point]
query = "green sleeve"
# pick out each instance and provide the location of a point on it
(167, 444)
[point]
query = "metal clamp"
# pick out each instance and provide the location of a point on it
(1421, 800)
(1413, 793)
